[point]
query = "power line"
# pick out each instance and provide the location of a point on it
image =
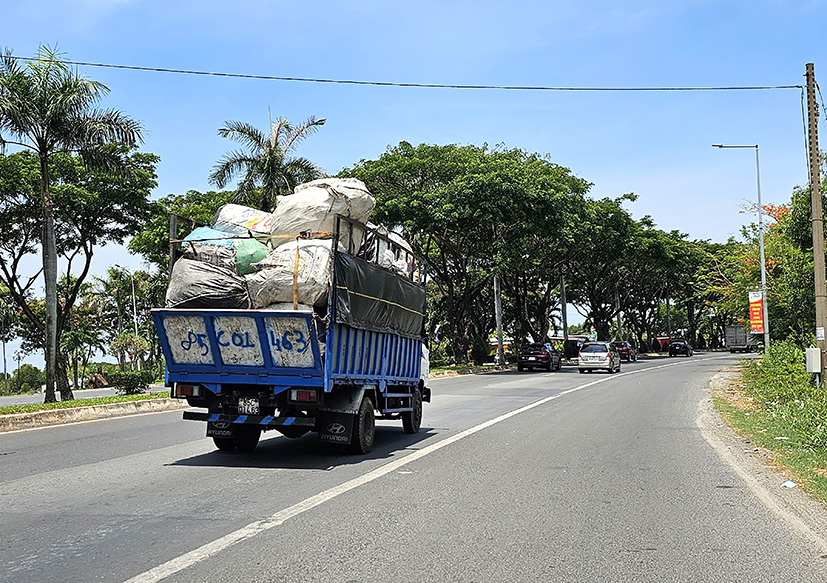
(414, 85)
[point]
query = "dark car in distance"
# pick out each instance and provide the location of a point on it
(538, 355)
(627, 351)
(680, 347)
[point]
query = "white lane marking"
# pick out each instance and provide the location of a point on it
(191, 558)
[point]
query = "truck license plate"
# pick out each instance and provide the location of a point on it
(248, 406)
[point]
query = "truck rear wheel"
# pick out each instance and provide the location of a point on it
(224, 443)
(364, 428)
(293, 432)
(412, 420)
(246, 437)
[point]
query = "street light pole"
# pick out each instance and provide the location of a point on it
(760, 244)
(134, 306)
(18, 355)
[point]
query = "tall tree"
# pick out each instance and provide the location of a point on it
(91, 209)
(597, 271)
(267, 164)
(472, 212)
(8, 317)
(48, 108)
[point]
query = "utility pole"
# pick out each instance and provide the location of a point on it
(619, 321)
(563, 310)
(818, 221)
(135, 314)
(498, 314)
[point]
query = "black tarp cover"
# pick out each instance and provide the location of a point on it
(374, 298)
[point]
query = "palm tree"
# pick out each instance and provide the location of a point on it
(267, 165)
(49, 108)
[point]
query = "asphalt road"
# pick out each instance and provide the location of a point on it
(514, 477)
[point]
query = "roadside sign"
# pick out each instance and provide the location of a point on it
(756, 312)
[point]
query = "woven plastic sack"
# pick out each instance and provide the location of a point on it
(234, 254)
(243, 220)
(195, 284)
(314, 205)
(273, 283)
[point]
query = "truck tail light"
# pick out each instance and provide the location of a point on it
(303, 395)
(182, 390)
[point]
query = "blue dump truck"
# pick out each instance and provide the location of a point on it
(331, 370)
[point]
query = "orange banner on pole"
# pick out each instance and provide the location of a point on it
(756, 312)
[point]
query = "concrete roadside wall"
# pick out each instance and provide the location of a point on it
(18, 421)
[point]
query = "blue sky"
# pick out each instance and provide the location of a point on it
(657, 145)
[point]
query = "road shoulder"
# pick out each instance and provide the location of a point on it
(804, 514)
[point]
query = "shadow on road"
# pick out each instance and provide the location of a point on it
(308, 452)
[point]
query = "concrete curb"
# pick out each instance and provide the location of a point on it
(456, 373)
(18, 421)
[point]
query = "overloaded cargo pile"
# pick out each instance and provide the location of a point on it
(282, 260)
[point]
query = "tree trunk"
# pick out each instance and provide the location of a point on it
(62, 379)
(50, 278)
(74, 370)
(603, 328)
(691, 320)
(5, 373)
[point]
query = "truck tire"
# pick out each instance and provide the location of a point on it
(412, 420)
(292, 432)
(246, 437)
(224, 443)
(364, 428)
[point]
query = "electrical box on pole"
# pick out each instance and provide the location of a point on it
(818, 221)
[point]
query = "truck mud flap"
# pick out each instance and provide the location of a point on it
(337, 427)
(220, 429)
(426, 394)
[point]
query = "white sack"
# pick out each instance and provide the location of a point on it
(314, 205)
(387, 254)
(273, 283)
(288, 307)
(242, 220)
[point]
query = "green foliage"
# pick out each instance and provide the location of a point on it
(29, 379)
(8, 315)
(474, 212)
(49, 108)
(782, 387)
(129, 344)
(267, 165)
(81, 403)
(131, 382)
(196, 208)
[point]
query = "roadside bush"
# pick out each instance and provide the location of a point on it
(131, 382)
(781, 385)
(780, 377)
